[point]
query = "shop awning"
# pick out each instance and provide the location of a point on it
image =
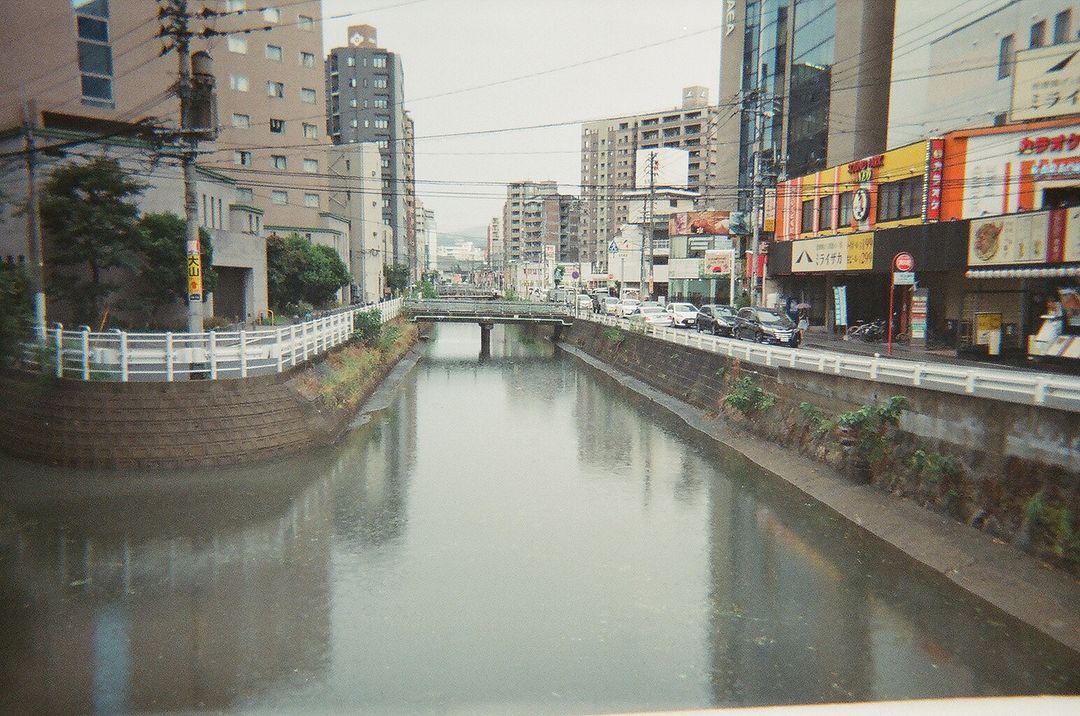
(1030, 272)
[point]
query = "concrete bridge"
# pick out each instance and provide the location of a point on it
(465, 291)
(488, 313)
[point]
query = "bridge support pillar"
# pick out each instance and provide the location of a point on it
(485, 339)
(558, 332)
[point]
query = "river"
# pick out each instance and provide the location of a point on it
(517, 534)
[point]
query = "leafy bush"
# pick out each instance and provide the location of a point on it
(614, 335)
(748, 397)
(869, 425)
(367, 325)
(298, 271)
(814, 417)
(936, 466)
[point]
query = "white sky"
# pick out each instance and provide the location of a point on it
(449, 45)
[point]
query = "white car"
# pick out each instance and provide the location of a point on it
(682, 315)
(611, 305)
(584, 302)
(626, 306)
(651, 316)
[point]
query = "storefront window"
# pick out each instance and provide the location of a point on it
(826, 214)
(900, 199)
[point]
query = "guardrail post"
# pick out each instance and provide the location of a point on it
(1040, 391)
(59, 350)
(873, 367)
(969, 383)
(243, 354)
(85, 345)
(211, 353)
(292, 345)
(123, 356)
(916, 377)
(304, 338)
(169, 357)
(280, 349)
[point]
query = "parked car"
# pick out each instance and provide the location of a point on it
(626, 306)
(766, 325)
(716, 319)
(584, 302)
(611, 305)
(682, 314)
(649, 316)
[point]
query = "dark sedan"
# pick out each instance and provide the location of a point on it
(766, 325)
(716, 319)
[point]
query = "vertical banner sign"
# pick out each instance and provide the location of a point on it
(194, 272)
(935, 167)
(840, 305)
(918, 315)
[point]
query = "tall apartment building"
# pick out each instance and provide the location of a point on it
(832, 58)
(414, 248)
(608, 149)
(364, 90)
(533, 218)
(427, 236)
(495, 257)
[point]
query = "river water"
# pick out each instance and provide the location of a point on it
(512, 535)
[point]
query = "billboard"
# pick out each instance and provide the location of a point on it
(670, 168)
(846, 252)
(718, 262)
(1046, 82)
(689, 223)
(1017, 239)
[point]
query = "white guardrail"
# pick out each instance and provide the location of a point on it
(127, 356)
(1015, 386)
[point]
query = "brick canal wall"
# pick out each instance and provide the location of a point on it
(168, 425)
(1008, 469)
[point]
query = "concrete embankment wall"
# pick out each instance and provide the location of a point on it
(167, 425)
(1008, 469)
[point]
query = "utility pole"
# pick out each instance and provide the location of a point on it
(34, 241)
(652, 213)
(646, 245)
(758, 199)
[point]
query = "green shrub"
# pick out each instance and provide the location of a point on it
(936, 467)
(367, 325)
(614, 335)
(814, 417)
(870, 425)
(748, 397)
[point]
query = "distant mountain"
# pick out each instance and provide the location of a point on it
(475, 234)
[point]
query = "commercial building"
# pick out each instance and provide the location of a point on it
(427, 236)
(365, 94)
(609, 155)
(495, 253)
(538, 222)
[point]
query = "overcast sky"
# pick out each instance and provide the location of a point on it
(450, 45)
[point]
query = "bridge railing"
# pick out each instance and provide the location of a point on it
(1014, 386)
(486, 309)
(125, 356)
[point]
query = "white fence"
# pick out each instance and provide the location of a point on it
(127, 356)
(1015, 386)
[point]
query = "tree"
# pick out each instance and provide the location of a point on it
(90, 219)
(162, 257)
(16, 309)
(297, 270)
(397, 277)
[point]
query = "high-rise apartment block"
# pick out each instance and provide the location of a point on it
(364, 89)
(536, 216)
(608, 149)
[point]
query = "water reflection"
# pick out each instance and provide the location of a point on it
(513, 535)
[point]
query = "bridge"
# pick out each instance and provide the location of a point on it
(465, 291)
(488, 313)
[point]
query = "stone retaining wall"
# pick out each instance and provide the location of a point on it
(1008, 469)
(164, 425)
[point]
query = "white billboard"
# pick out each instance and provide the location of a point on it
(1046, 82)
(669, 166)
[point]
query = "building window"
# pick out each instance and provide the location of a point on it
(277, 126)
(311, 166)
(378, 61)
(311, 201)
(352, 81)
(279, 161)
(280, 198)
(235, 5)
(825, 213)
(307, 95)
(275, 89)
(380, 103)
(241, 121)
(1062, 26)
(350, 61)
(238, 83)
(245, 194)
(307, 59)
(382, 122)
(273, 52)
(95, 52)
(845, 209)
(311, 131)
(807, 216)
(379, 82)
(305, 23)
(383, 143)
(1005, 56)
(242, 158)
(900, 199)
(386, 165)
(1038, 34)
(237, 44)
(353, 103)
(354, 123)
(271, 14)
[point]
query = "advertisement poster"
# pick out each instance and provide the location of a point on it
(918, 314)
(1004, 240)
(688, 223)
(718, 262)
(840, 305)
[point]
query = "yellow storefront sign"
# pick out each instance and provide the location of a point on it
(851, 252)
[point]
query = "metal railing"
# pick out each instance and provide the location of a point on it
(125, 356)
(1014, 386)
(488, 310)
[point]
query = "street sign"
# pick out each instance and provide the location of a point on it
(613, 248)
(904, 278)
(903, 261)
